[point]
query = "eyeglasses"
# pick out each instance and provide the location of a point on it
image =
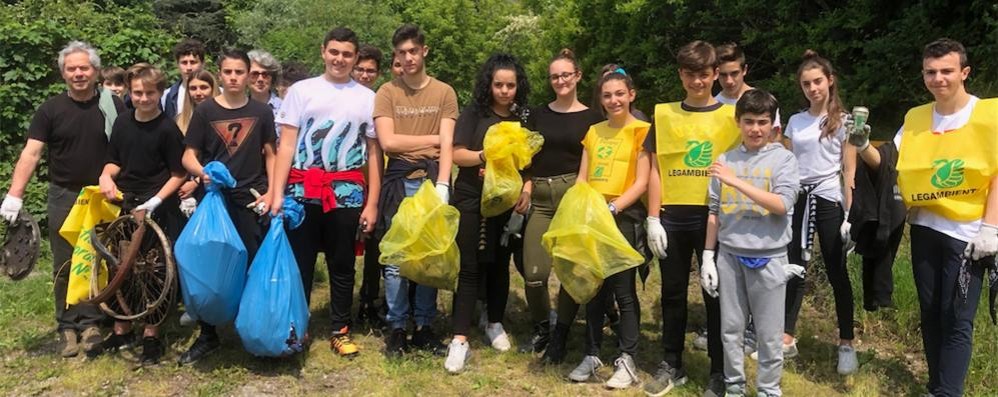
(563, 76)
(360, 70)
(257, 74)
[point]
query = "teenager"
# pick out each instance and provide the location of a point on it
(563, 123)
(948, 229)
(686, 138)
(368, 67)
(189, 56)
(731, 72)
(501, 91)
(414, 116)
(201, 86)
(817, 137)
(74, 126)
(291, 72)
(622, 186)
(113, 78)
(605, 70)
(327, 137)
(753, 189)
(238, 132)
(396, 66)
(143, 165)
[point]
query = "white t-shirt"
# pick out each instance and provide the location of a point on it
(732, 101)
(333, 122)
(819, 160)
(963, 231)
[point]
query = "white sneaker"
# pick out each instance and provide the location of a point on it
(497, 337)
(625, 374)
(457, 356)
(586, 369)
(847, 360)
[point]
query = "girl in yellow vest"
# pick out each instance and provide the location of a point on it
(614, 163)
(946, 166)
(817, 137)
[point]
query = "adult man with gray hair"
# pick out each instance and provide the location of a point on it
(74, 126)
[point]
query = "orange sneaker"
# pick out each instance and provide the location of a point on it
(341, 343)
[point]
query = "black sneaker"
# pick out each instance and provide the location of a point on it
(115, 342)
(716, 386)
(201, 348)
(539, 341)
(396, 344)
(555, 351)
(426, 340)
(665, 379)
(152, 350)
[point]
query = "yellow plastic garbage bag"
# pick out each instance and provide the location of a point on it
(90, 209)
(421, 240)
(585, 244)
(508, 149)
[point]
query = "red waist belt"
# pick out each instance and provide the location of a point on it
(317, 183)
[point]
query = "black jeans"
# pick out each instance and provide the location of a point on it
(620, 287)
(675, 269)
(878, 274)
(828, 220)
(370, 284)
(947, 325)
(333, 233)
(484, 264)
(82, 315)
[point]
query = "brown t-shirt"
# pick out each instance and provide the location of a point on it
(416, 112)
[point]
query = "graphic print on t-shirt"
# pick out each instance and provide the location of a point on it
(233, 132)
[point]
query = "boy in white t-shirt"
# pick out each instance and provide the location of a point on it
(946, 165)
(327, 137)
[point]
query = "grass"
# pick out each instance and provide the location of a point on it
(888, 341)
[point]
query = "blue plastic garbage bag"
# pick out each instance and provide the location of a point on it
(211, 257)
(273, 314)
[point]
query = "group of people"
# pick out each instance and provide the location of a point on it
(712, 177)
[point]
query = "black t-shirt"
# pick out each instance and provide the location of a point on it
(235, 137)
(678, 218)
(563, 134)
(469, 132)
(147, 152)
(74, 134)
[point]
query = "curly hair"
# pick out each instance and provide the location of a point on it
(483, 84)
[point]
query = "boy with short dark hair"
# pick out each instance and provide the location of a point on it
(685, 138)
(731, 71)
(754, 188)
(113, 78)
(368, 67)
(238, 132)
(189, 55)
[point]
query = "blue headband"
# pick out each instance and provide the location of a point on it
(620, 70)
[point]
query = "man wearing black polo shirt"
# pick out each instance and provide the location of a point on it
(72, 124)
(238, 132)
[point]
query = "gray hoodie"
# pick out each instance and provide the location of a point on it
(744, 227)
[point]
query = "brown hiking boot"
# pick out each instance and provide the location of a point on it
(90, 342)
(67, 342)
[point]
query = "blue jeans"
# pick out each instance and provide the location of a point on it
(397, 288)
(947, 325)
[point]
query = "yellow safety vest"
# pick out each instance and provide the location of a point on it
(686, 144)
(949, 173)
(612, 156)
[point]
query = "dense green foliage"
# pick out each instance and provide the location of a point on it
(875, 44)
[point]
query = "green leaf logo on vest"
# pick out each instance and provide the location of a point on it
(604, 151)
(698, 154)
(949, 173)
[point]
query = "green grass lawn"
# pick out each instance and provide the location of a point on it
(889, 344)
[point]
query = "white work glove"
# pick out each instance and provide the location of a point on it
(984, 244)
(658, 240)
(443, 191)
(708, 274)
(10, 208)
(188, 205)
(845, 231)
(793, 270)
(150, 205)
